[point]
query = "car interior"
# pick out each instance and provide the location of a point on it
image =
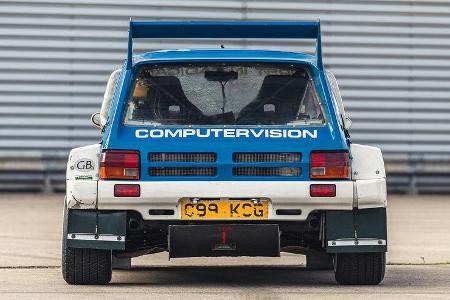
(281, 99)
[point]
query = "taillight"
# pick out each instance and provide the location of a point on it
(119, 164)
(322, 190)
(127, 190)
(329, 165)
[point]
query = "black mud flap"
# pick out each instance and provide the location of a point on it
(96, 230)
(224, 240)
(358, 230)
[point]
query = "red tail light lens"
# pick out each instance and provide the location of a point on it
(329, 165)
(127, 190)
(322, 190)
(119, 164)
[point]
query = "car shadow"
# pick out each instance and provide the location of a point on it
(198, 276)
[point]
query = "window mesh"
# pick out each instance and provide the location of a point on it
(182, 171)
(266, 171)
(266, 157)
(182, 157)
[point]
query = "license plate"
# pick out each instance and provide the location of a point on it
(236, 209)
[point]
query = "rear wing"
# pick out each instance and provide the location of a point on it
(224, 30)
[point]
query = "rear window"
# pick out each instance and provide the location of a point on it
(223, 94)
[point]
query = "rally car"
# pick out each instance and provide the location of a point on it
(224, 152)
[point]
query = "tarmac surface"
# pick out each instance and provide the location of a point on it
(419, 261)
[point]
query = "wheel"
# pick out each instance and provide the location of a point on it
(359, 268)
(84, 266)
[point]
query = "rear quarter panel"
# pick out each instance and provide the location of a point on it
(82, 177)
(369, 176)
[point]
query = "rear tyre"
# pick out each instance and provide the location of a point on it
(359, 268)
(84, 266)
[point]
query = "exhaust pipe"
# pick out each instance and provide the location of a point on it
(134, 224)
(314, 223)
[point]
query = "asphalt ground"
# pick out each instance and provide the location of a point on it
(418, 257)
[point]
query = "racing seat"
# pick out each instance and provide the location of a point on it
(166, 102)
(277, 101)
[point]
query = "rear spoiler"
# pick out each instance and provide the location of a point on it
(224, 30)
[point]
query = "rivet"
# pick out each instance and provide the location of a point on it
(377, 172)
(119, 238)
(96, 236)
(73, 236)
(333, 243)
(380, 242)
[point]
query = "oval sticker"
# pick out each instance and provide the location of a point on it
(84, 165)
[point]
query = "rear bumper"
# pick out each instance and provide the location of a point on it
(165, 195)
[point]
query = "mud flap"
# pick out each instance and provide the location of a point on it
(96, 230)
(224, 240)
(358, 230)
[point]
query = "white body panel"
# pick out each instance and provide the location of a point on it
(366, 190)
(82, 177)
(281, 194)
(369, 176)
(367, 162)
(371, 193)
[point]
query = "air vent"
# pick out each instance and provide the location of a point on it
(182, 171)
(266, 171)
(182, 157)
(255, 157)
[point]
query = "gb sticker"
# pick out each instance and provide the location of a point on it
(84, 165)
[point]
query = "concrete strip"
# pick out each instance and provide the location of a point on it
(419, 229)
(239, 282)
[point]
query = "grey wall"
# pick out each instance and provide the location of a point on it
(390, 57)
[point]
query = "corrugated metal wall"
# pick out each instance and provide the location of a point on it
(390, 57)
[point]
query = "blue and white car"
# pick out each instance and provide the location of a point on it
(224, 152)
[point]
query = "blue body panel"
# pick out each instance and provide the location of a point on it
(329, 136)
(224, 147)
